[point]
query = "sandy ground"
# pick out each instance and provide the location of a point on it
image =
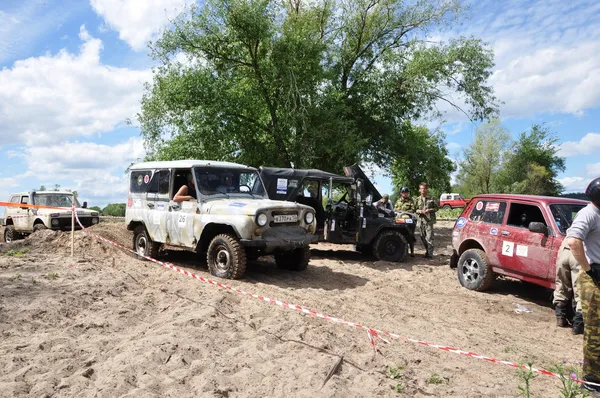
(106, 324)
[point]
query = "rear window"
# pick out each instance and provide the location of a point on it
(564, 214)
(139, 181)
(488, 211)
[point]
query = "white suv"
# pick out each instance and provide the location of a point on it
(231, 220)
(20, 221)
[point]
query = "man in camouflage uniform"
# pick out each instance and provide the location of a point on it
(426, 207)
(584, 241)
(405, 202)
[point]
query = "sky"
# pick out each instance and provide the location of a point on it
(72, 75)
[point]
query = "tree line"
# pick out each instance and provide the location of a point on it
(325, 84)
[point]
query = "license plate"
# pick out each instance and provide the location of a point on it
(285, 218)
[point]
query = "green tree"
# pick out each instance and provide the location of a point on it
(115, 210)
(532, 165)
(319, 84)
(96, 208)
(482, 160)
(426, 161)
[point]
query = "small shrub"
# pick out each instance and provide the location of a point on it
(435, 379)
(450, 213)
(526, 375)
(398, 388)
(396, 373)
(20, 252)
(52, 276)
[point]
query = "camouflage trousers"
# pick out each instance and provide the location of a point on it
(590, 303)
(426, 230)
(567, 271)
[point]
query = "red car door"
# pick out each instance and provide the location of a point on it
(483, 225)
(522, 251)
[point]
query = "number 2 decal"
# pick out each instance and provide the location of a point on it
(508, 248)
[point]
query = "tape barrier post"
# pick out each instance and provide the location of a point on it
(372, 333)
(73, 228)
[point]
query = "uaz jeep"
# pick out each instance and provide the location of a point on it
(20, 221)
(231, 219)
(344, 209)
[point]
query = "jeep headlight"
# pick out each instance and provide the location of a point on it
(55, 222)
(262, 219)
(94, 220)
(309, 217)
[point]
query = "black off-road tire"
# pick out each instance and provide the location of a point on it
(447, 207)
(390, 246)
(294, 260)
(226, 258)
(143, 245)
(10, 234)
(39, 227)
(474, 270)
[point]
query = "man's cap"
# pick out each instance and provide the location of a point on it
(404, 189)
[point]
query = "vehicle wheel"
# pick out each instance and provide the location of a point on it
(447, 207)
(39, 227)
(10, 234)
(474, 271)
(294, 260)
(226, 257)
(390, 246)
(143, 245)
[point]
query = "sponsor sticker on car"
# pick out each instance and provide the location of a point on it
(461, 222)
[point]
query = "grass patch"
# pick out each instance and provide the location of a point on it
(450, 213)
(52, 276)
(436, 379)
(20, 252)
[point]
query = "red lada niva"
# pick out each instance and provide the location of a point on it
(512, 235)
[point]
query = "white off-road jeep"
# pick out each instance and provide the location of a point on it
(229, 218)
(21, 221)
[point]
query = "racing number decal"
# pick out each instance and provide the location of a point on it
(508, 248)
(181, 220)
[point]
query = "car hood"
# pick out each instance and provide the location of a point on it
(248, 206)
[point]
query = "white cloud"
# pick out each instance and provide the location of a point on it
(589, 144)
(573, 184)
(52, 98)
(95, 170)
(593, 170)
(453, 146)
(8, 182)
(547, 54)
(138, 21)
(23, 23)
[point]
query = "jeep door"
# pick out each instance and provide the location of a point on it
(522, 251)
(483, 225)
(157, 205)
(181, 216)
(23, 218)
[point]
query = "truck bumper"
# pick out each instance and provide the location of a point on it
(270, 244)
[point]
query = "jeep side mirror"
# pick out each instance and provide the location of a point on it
(85, 205)
(538, 227)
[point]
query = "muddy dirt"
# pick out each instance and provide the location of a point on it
(106, 324)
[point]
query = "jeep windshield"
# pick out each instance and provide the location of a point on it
(228, 181)
(564, 214)
(54, 199)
